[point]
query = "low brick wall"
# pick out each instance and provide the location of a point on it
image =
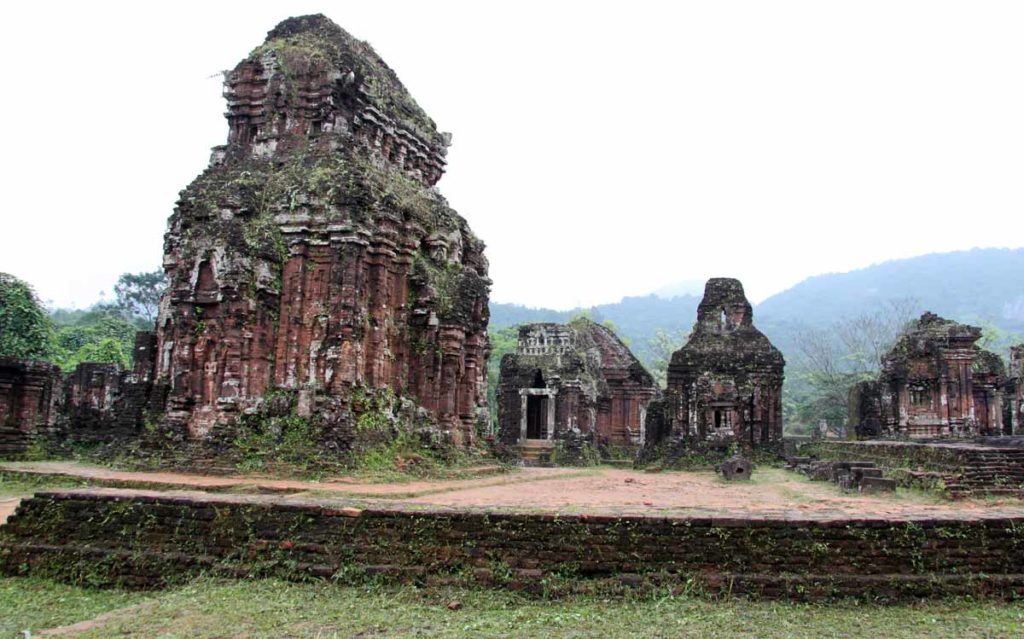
(948, 459)
(959, 469)
(148, 539)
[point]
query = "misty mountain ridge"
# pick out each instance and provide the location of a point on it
(979, 285)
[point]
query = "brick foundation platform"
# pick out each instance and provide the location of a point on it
(147, 539)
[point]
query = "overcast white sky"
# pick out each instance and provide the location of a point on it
(600, 149)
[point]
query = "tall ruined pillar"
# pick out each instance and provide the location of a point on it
(314, 254)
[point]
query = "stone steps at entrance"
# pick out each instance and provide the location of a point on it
(536, 452)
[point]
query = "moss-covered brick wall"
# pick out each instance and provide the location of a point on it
(145, 539)
(958, 469)
(892, 454)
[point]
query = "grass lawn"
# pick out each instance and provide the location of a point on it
(270, 608)
(23, 485)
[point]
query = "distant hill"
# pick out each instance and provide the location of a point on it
(983, 286)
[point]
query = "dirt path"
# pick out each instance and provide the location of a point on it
(96, 622)
(772, 492)
(7, 507)
(344, 485)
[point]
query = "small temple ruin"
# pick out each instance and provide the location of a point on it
(935, 382)
(572, 378)
(725, 383)
(93, 403)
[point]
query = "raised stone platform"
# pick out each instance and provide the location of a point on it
(147, 539)
(957, 468)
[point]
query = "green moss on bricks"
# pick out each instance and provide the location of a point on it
(295, 48)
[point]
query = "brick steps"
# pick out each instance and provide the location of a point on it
(536, 452)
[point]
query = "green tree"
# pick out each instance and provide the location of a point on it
(25, 329)
(138, 294)
(661, 347)
(997, 340)
(103, 333)
(105, 351)
(503, 341)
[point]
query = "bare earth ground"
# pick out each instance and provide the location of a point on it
(772, 492)
(7, 507)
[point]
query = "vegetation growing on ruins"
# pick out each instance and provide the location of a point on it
(389, 440)
(315, 40)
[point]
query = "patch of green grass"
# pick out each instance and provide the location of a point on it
(28, 603)
(270, 608)
(23, 485)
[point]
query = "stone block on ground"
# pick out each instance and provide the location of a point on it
(877, 485)
(736, 468)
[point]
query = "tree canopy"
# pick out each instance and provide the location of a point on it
(138, 294)
(26, 331)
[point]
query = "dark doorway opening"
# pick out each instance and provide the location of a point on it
(536, 416)
(538, 380)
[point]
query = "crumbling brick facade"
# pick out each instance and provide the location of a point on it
(576, 377)
(93, 403)
(314, 254)
(935, 382)
(28, 397)
(725, 383)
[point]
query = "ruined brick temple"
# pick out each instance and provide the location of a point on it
(935, 382)
(576, 377)
(314, 254)
(313, 257)
(725, 383)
